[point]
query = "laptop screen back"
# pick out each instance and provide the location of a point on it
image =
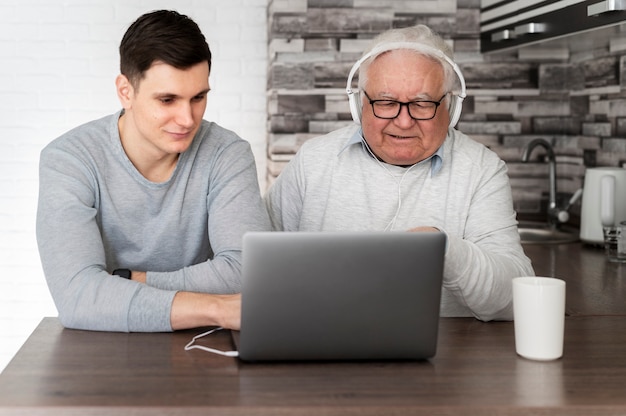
(340, 295)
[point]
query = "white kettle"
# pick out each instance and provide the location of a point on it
(604, 202)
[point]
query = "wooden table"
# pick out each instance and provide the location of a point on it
(594, 286)
(475, 371)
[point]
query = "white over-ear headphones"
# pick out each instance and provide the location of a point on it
(456, 99)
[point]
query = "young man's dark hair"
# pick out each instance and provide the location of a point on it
(166, 36)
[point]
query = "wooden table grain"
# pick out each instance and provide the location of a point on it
(475, 371)
(594, 286)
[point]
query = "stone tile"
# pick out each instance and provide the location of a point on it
(617, 145)
(306, 104)
(531, 108)
(597, 129)
(467, 21)
(612, 108)
(321, 44)
(579, 105)
(289, 123)
(600, 72)
(306, 57)
(287, 25)
(287, 6)
(556, 125)
(330, 3)
(471, 128)
(499, 75)
(468, 4)
(291, 76)
(622, 72)
(601, 107)
(519, 140)
(331, 75)
(617, 44)
(496, 107)
(285, 45)
(590, 157)
(324, 116)
(323, 127)
(467, 50)
(410, 6)
(348, 21)
(504, 93)
(526, 206)
(617, 107)
(354, 45)
(337, 103)
(566, 144)
(509, 154)
(561, 77)
(589, 143)
(611, 159)
(541, 54)
(489, 140)
(621, 127)
(572, 170)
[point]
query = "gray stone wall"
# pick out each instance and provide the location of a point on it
(576, 102)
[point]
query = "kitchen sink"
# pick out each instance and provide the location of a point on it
(541, 233)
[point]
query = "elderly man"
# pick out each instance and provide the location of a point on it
(403, 166)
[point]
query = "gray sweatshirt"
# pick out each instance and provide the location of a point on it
(96, 213)
(334, 184)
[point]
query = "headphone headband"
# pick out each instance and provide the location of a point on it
(355, 106)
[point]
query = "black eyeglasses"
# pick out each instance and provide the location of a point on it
(418, 110)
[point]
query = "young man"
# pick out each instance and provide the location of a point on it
(406, 168)
(141, 213)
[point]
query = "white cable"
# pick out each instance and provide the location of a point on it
(392, 223)
(191, 346)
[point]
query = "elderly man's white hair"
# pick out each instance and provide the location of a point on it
(419, 36)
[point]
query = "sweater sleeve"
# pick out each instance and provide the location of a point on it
(234, 206)
(73, 257)
(481, 263)
(284, 199)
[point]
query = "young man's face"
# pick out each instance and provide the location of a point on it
(165, 110)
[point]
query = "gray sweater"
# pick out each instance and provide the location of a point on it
(334, 183)
(97, 213)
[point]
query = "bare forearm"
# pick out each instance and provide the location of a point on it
(193, 310)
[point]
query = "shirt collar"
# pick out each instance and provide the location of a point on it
(436, 160)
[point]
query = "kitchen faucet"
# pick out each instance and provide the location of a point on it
(553, 212)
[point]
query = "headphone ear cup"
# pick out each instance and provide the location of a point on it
(456, 105)
(355, 106)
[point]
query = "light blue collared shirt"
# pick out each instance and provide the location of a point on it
(436, 159)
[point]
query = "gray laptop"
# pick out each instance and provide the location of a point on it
(340, 295)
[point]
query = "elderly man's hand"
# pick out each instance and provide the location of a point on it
(424, 229)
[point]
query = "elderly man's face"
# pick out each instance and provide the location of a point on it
(404, 75)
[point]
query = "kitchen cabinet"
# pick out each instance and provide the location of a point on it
(506, 25)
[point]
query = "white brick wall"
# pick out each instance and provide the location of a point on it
(58, 62)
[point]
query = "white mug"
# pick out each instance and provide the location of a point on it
(539, 317)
